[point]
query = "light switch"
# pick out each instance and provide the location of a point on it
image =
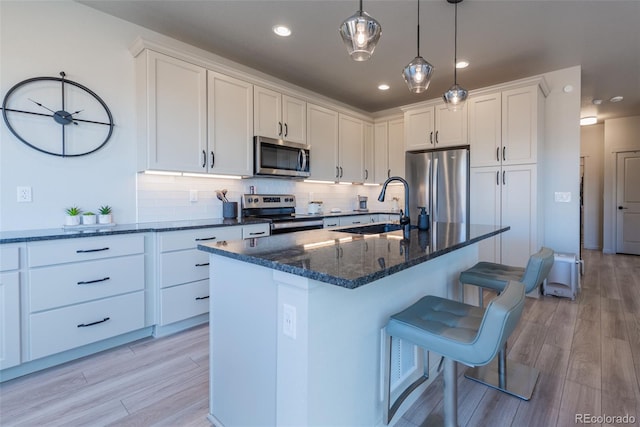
(193, 195)
(563, 196)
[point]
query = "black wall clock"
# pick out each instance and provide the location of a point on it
(57, 116)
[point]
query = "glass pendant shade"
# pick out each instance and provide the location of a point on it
(360, 34)
(455, 97)
(417, 74)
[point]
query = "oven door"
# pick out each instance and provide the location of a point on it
(281, 227)
(275, 157)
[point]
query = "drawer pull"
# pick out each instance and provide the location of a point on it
(202, 264)
(199, 298)
(257, 233)
(356, 222)
(206, 238)
(86, 251)
(88, 282)
(84, 325)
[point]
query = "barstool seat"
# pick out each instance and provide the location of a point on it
(459, 332)
(516, 379)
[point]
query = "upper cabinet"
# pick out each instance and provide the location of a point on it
(388, 142)
(322, 137)
(394, 149)
(505, 128)
(192, 119)
(369, 154)
(351, 142)
(172, 99)
(279, 116)
(434, 127)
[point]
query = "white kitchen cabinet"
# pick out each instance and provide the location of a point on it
(230, 126)
(322, 136)
(351, 153)
(279, 116)
(172, 104)
(255, 230)
(354, 220)
(506, 196)
(388, 141)
(10, 306)
(506, 127)
(83, 291)
(381, 147)
(434, 127)
(369, 154)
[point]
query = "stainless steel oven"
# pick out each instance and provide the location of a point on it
(280, 210)
(276, 157)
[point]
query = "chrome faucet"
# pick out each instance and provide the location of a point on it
(404, 216)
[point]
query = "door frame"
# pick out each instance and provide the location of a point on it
(614, 201)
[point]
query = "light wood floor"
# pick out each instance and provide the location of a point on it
(588, 352)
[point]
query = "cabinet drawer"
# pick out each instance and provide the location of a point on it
(9, 257)
(353, 220)
(189, 239)
(183, 267)
(57, 330)
(184, 301)
(256, 230)
(330, 222)
(67, 284)
(83, 249)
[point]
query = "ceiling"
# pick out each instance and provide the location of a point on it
(503, 40)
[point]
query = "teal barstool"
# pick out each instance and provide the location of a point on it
(459, 332)
(518, 380)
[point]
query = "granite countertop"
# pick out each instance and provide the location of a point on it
(70, 233)
(351, 260)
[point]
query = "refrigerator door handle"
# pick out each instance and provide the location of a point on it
(434, 190)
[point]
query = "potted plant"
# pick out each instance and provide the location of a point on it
(89, 218)
(72, 216)
(104, 216)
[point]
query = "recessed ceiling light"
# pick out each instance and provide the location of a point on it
(282, 30)
(383, 87)
(591, 120)
(462, 64)
(616, 99)
(597, 101)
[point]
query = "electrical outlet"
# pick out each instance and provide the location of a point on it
(289, 321)
(563, 197)
(193, 195)
(24, 194)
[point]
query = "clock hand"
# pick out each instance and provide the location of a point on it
(40, 105)
(68, 115)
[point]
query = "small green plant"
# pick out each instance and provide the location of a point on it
(73, 211)
(88, 213)
(105, 210)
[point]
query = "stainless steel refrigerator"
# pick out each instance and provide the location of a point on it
(439, 180)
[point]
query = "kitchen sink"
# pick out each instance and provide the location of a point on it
(372, 229)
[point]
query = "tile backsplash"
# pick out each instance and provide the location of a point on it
(167, 198)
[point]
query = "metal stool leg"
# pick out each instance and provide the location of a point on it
(450, 377)
(519, 380)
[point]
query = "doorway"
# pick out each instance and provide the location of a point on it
(628, 203)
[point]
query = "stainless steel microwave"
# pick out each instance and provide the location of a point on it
(279, 158)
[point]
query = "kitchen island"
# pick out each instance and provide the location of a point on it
(296, 319)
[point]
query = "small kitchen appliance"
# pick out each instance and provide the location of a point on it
(279, 209)
(362, 203)
(315, 208)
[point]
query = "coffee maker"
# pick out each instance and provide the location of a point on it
(362, 204)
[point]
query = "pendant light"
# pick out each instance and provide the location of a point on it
(360, 33)
(456, 95)
(417, 73)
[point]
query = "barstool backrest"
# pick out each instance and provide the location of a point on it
(538, 268)
(500, 319)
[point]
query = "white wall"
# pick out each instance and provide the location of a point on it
(592, 150)
(560, 167)
(619, 135)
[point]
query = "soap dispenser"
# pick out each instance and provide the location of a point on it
(423, 218)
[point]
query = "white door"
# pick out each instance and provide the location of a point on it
(628, 203)
(485, 130)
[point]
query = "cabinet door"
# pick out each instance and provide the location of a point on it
(485, 121)
(485, 188)
(267, 113)
(230, 131)
(9, 319)
(322, 136)
(351, 152)
(381, 152)
(450, 126)
(520, 125)
(419, 131)
(353, 220)
(294, 119)
(369, 154)
(519, 211)
(176, 114)
(396, 148)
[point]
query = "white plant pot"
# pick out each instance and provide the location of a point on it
(89, 219)
(104, 219)
(72, 220)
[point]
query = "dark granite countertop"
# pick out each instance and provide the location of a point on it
(71, 233)
(351, 260)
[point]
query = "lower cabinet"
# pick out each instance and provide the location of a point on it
(10, 306)
(184, 301)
